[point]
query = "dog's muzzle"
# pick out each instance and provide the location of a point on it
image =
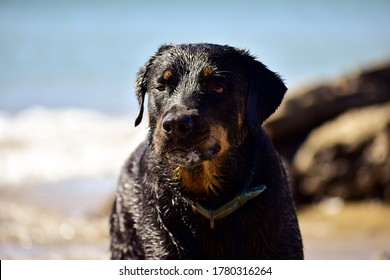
(187, 139)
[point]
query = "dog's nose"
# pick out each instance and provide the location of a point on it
(177, 126)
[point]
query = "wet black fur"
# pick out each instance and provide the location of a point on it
(150, 219)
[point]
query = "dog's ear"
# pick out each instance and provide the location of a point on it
(141, 82)
(140, 92)
(266, 91)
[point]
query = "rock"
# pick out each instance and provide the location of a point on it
(348, 157)
(307, 109)
(335, 137)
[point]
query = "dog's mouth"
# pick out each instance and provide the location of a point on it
(187, 141)
(189, 157)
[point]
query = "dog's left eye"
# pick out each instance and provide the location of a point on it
(217, 88)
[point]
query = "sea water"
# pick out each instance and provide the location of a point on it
(67, 69)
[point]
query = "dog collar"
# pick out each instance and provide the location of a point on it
(228, 208)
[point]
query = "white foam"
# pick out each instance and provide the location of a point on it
(39, 145)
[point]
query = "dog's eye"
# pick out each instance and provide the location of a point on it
(217, 88)
(161, 87)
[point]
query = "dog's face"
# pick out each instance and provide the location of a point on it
(204, 100)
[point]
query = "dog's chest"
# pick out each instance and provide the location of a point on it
(191, 234)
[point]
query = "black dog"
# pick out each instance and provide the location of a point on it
(207, 183)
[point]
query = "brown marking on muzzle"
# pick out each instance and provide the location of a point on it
(206, 179)
(220, 134)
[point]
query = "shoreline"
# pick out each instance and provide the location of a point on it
(37, 229)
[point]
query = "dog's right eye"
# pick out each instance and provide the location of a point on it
(218, 89)
(161, 87)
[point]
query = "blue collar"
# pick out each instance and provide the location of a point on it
(227, 208)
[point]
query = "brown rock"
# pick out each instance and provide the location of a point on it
(348, 157)
(305, 110)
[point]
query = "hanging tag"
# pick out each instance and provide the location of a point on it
(212, 224)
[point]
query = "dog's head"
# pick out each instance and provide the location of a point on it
(204, 99)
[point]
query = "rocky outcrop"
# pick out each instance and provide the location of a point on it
(348, 157)
(336, 138)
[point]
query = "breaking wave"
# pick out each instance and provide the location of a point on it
(40, 146)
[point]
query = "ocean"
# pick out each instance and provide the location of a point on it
(61, 60)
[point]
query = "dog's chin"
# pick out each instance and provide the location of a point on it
(191, 158)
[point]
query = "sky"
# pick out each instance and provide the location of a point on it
(86, 53)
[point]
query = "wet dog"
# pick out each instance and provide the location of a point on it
(207, 182)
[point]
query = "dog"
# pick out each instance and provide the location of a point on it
(207, 182)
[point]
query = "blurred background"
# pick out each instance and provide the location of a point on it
(67, 109)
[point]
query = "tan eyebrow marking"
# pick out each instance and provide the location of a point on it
(167, 74)
(207, 72)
